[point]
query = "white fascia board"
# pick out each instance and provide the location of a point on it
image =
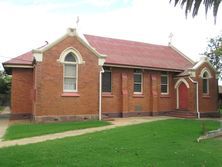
(201, 61)
(86, 44)
(18, 66)
(182, 54)
(101, 61)
(37, 54)
(72, 32)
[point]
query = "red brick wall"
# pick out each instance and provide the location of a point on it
(148, 102)
(167, 102)
(191, 94)
(113, 103)
(22, 91)
(49, 82)
(208, 103)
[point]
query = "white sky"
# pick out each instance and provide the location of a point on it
(26, 24)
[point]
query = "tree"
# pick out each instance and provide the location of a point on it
(5, 83)
(214, 53)
(195, 5)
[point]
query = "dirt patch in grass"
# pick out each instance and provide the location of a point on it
(23, 130)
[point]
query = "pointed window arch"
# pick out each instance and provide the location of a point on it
(205, 75)
(70, 73)
(70, 58)
(205, 81)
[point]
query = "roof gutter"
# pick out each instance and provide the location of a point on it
(16, 66)
(197, 97)
(141, 67)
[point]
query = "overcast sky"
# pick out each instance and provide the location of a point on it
(26, 24)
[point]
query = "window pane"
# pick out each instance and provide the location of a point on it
(70, 57)
(69, 84)
(205, 86)
(164, 80)
(106, 82)
(164, 89)
(205, 75)
(137, 78)
(137, 71)
(70, 70)
(106, 69)
(137, 88)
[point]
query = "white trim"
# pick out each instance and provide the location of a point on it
(179, 82)
(141, 74)
(100, 92)
(205, 69)
(35, 90)
(73, 33)
(202, 61)
(67, 90)
(18, 66)
(206, 78)
(62, 60)
(71, 50)
(182, 54)
(164, 93)
(37, 55)
(101, 61)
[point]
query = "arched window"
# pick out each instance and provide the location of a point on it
(205, 78)
(70, 68)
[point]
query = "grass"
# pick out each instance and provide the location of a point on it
(1, 108)
(155, 144)
(17, 131)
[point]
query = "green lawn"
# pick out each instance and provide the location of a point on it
(17, 131)
(169, 143)
(1, 108)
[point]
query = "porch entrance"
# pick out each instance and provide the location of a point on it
(183, 96)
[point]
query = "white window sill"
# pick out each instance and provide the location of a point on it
(70, 94)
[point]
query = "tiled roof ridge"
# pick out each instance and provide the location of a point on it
(126, 40)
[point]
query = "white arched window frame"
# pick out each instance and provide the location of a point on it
(205, 75)
(70, 58)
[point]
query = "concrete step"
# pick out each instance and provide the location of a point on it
(6, 115)
(181, 114)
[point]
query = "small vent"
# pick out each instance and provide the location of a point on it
(138, 108)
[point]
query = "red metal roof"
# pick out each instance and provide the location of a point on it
(124, 52)
(129, 53)
(24, 59)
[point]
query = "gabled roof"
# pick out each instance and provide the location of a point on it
(24, 59)
(131, 53)
(203, 60)
(120, 53)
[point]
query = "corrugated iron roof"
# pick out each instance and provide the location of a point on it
(124, 52)
(24, 59)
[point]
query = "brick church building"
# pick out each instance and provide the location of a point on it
(90, 77)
